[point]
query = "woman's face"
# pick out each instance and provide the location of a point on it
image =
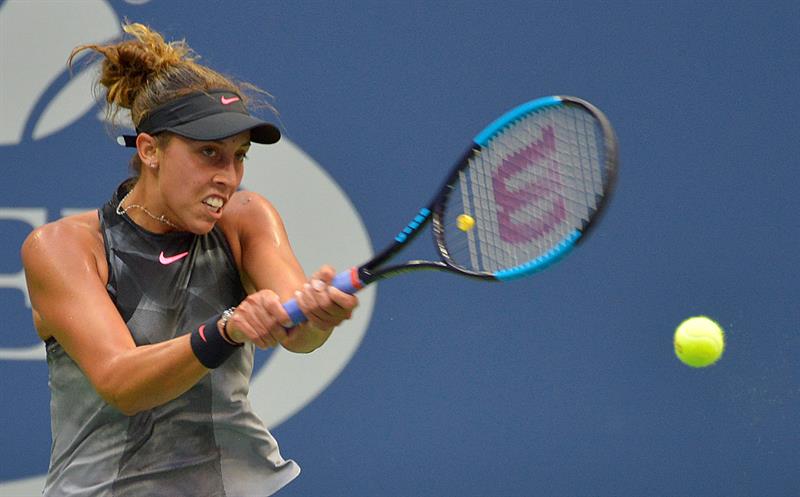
(196, 179)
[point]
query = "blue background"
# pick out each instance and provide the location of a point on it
(561, 384)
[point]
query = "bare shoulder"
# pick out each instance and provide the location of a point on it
(63, 258)
(72, 239)
(248, 214)
(259, 243)
(245, 205)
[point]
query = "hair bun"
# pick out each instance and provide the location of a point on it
(130, 64)
(142, 72)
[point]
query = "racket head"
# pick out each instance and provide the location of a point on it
(532, 185)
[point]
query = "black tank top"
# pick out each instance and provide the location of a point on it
(208, 440)
(164, 284)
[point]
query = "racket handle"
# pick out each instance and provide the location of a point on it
(346, 281)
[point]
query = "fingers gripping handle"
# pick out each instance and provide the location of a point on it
(346, 281)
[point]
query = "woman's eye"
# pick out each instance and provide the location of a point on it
(209, 152)
(241, 156)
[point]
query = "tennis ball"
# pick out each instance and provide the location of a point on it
(465, 222)
(699, 342)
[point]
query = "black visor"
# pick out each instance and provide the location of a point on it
(205, 116)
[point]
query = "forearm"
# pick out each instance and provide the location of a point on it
(151, 375)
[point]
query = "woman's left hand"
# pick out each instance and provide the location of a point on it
(325, 306)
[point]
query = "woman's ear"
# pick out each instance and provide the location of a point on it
(147, 148)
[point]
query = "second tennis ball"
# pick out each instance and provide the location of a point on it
(699, 341)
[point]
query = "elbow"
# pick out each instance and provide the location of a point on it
(300, 347)
(119, 400)
(300, 350)
(127, 408)
(117, 393)
(306, 339)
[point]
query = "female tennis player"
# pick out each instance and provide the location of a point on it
(151, 307)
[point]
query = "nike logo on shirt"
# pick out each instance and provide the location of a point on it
(163, 259)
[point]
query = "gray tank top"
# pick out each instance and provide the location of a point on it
(207, 442)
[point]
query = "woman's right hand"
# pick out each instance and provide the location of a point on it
(260, 319)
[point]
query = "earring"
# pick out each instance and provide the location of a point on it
(153, 165)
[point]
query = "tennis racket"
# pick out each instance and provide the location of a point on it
(527, 191)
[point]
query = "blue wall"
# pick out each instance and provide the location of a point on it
(561, 384)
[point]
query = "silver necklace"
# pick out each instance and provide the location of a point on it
(160, 219)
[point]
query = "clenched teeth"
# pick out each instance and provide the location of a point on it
(214, 202)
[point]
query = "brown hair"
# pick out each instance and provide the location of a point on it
(144, 72)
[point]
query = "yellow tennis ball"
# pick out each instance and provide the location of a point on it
(465, 222)
(699, 342)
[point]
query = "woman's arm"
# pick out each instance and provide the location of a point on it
(63, 264)
(271, 272)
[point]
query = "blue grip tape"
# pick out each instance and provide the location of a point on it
(346, 281)
(294, 312)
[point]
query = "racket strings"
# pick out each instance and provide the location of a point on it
(535, 183)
